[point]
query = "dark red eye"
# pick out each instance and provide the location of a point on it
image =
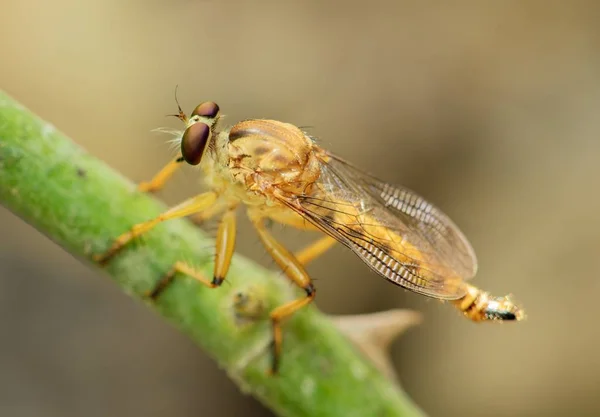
(194, 142)
(207, 109)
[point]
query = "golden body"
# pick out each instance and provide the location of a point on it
(279, 173)
(259, 162)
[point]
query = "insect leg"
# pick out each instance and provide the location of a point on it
(281, 313)
(184, 269)
(225, 242)
(314, 250)
(210, 212)
(225, 246)
(190, 206)
(159, 180)
(295, 271)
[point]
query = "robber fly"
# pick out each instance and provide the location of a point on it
(279, 173)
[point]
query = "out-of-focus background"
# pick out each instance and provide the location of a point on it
(489, 109)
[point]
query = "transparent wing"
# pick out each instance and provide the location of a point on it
(393, 230)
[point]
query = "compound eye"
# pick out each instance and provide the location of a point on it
(207, 109)
(194, 141)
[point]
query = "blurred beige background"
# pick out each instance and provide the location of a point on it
(490, 111)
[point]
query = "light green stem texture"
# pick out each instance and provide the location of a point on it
(82, 205)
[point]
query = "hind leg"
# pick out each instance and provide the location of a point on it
(295, 272)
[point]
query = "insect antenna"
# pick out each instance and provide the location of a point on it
(180, 113)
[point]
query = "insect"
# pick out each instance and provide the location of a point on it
(279, 173)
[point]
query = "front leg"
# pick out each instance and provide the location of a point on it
(158, 181)
(193, 205)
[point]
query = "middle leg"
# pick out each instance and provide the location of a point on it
(225, 243)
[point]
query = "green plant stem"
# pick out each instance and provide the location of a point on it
(82, 205)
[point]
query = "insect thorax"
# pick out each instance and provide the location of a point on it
(267, 155)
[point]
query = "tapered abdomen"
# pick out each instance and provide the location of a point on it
(479, 305)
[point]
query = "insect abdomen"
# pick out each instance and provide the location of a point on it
(478, 305)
